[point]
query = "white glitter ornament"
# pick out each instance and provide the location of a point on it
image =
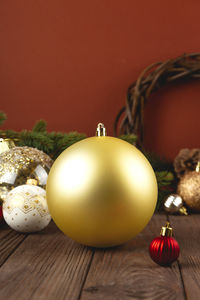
(25, 208)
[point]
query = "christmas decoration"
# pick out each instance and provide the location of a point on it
(6, 144)
(20, 163)
(174, 204)
(101, 191)
(3, 117)
(25, 208)
(130, 118)
(185, 161)
(189, 189)
(164, 250)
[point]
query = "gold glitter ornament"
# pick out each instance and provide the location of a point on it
(101, 191)
(189, 189)
(20, 163)
(25, 208)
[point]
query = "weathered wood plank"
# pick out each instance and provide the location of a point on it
(47, 265)
(187, 232)
(127, 272)
(9, 241)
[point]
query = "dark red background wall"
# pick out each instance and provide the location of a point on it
(70, 63)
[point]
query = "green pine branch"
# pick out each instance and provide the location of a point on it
(61, 141)
(130, 138)
(40, 126)
(3, 117)
(52, 143)
(37, 140)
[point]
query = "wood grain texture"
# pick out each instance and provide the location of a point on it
(127, 272)
(9, 241)
(47, 265)
(187, 232)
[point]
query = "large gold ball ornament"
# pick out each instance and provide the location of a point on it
(101, 191)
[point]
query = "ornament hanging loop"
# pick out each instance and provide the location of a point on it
(101, 130)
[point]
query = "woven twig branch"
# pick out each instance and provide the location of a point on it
(130, 118)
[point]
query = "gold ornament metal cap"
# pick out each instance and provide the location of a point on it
(6, 144)
(32, 181)
(166, 230)
(183, 211)
(101, 130)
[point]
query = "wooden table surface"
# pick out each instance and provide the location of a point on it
(49, 265)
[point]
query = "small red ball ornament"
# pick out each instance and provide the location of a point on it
(164, 249)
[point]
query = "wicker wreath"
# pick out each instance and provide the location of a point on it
(130, 118)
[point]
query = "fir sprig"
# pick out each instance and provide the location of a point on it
(130, 138)
(61, 141)
(40, 126)
(52, 143)
(3, 117)
(37, 140)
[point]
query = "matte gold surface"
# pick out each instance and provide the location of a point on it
(101, 191)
